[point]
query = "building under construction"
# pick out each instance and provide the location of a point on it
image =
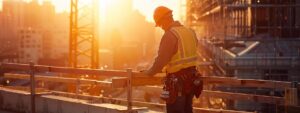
(249, 39)
(249, 56)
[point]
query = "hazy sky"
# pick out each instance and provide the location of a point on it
(146, 7)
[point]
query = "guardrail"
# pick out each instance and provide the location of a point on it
(129, 79)
(31, 69)
(264, 61)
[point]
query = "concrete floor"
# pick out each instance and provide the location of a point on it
(4, 111)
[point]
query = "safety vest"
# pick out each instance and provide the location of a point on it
(186, 55)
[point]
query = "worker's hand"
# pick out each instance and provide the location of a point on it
(146, 72)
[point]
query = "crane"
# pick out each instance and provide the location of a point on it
(83, 37)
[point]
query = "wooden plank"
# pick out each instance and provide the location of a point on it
(136, 81)
(246, 82)
(142, 81)
(242, 96)
(43, 68)
(120, 82)
(22, 67)
(59, 79)
(228, 95)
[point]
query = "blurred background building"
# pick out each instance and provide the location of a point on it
(128, 35)
(250, 39)
(118, 36)
(30, 26)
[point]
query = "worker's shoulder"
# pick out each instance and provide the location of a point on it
(169, 34)
(175, 30)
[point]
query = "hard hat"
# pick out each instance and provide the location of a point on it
(159, 13)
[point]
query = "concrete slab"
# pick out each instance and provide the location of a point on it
(4, 111)
(20, 101)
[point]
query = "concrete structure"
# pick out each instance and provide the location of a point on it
(242, 36)
(250, 39)
(19, 101)
(30, 45)
(17, 15)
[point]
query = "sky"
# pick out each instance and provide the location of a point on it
(146, 7)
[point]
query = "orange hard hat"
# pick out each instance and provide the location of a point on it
(160, 12)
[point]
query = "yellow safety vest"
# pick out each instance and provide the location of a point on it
(186, 55)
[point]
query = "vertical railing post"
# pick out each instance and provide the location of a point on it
(129, 91)
(291, 94)
(77, 87)
(32, 87)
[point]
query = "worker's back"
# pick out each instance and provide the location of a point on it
(186, 55)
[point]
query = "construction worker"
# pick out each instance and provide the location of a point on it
(176, 57)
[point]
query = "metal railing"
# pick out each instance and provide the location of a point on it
(264, 61)
(135, 78)
(32, 69)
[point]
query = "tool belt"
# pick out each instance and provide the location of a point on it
(186, 81)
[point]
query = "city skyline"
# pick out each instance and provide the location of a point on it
(52, 26)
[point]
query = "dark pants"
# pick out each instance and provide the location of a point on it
(183, 104)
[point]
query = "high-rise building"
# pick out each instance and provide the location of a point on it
(10, 22)
(30, 45)
(18, 15)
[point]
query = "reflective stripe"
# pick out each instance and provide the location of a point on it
(195, 36)
(192, 59)
(180, 47)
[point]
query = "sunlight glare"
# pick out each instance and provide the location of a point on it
(61, 5)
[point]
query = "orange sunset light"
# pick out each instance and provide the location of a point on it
(146, 7)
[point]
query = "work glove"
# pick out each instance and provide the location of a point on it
(146, 72)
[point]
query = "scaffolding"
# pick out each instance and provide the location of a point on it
(250, 39)
(230, 30)
(243, 19)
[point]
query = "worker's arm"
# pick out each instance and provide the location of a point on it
(167, 48)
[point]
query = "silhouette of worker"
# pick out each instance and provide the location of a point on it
(177, 56)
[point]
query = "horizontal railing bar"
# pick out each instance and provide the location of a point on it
(69, 70)
(219, 94)
(230, 95)
(248, 97)
(207, 79)
(58, 79)
(229, 81)
(261, 5)
(247, 82)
